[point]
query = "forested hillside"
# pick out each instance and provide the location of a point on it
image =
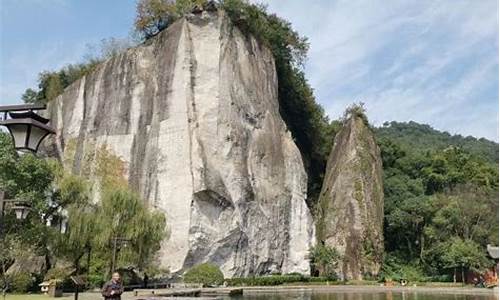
(441, 201)
(422, 137)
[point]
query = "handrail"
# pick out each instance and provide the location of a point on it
(21, 107)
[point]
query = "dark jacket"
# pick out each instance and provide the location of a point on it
(112, 286)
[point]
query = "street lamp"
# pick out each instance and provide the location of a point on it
(21, 211)
(27, 128)
(20, 208)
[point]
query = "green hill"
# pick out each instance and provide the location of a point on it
(441, 201)
(422, 137)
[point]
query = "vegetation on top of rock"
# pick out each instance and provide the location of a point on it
(304, 117)
(355, 110)
(155, 15)
(352, 194)
(52, 83)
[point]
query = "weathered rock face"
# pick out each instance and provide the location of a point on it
(351, 203)
(194, 116)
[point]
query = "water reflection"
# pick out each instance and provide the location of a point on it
(308, 294)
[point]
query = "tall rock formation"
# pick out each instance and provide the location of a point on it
(193, 114)
(351, 203)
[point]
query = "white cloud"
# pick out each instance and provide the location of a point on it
(430, 61)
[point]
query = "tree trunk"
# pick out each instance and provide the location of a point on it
(463, 276)
(422, 240)
(88, 261)
(77, 263)
(410, 246)
(454, 274)
(77, 266)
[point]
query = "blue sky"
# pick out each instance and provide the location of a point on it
(433, 62)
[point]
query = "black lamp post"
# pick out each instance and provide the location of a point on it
(27, 130)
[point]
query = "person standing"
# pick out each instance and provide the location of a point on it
(145, 280)
(113, 289)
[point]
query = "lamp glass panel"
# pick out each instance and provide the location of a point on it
(35, 137)
(19, 133)
(21, 212)
(25, 213)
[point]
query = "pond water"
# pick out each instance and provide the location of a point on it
(368, 295)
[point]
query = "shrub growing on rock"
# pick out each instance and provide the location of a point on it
(325, 259)
(207, 274)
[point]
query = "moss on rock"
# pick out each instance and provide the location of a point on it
(350, 208)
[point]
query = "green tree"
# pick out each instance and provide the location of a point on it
(463, 254)
(433, 195)
(27, 178)
(30, 96)
(155, 15)
(52, 83)
(78, 239)
(415, 137)
(207, 274)
(325, 260)
(122, 214)
(357, 110)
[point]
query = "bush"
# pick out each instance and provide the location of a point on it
(276, 280)
(96, 280)
(57, 274)
(21, 282)
(325, 260)
(397, 270)
(266, 280)
(207, 274)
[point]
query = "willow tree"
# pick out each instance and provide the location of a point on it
(122, 214)
(78, 239)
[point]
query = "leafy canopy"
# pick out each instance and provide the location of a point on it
(441, 191)
(207, 274)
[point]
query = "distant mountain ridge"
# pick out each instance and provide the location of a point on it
(423, 137)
